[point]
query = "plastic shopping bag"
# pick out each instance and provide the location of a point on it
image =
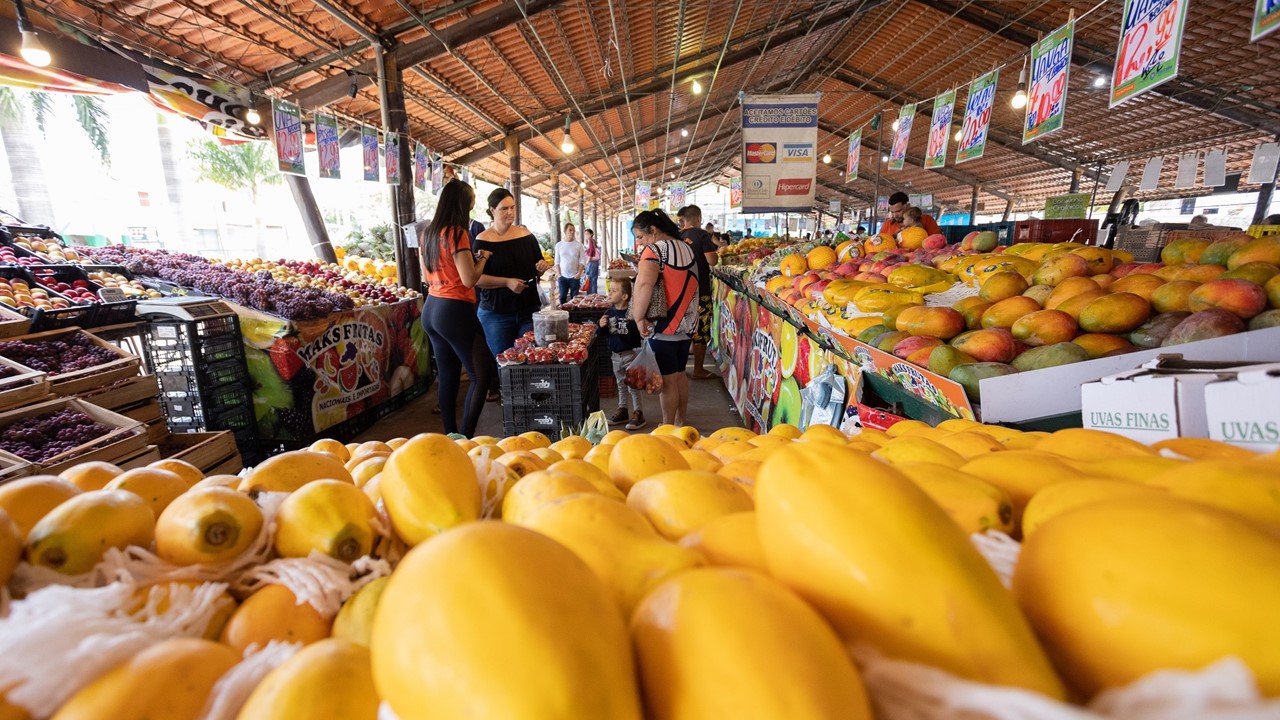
(643, 373)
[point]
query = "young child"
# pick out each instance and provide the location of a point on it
(624, 340)
(911, 217)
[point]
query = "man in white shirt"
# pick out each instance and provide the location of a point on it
(569, 258)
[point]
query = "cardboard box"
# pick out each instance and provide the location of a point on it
(1027, 396)
(1245, 410)
(1162, 400)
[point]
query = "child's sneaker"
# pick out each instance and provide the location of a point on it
(637, 421)
(619, 417)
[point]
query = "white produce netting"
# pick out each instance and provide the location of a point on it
(233, 689)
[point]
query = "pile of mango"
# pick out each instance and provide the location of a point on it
(671, 575)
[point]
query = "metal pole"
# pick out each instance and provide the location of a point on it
(1097, 177)
(874, 226)
(1076, 175)
(511, 143)
(555, 207)
(973, 204)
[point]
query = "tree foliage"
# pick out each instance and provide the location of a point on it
(91, 115)
(241, 166)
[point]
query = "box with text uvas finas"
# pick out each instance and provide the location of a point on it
(1161, 400)
(1244, 409)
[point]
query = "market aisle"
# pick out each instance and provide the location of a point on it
(709, 409)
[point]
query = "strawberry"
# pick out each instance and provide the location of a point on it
(284, 355)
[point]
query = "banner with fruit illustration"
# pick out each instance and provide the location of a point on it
(977, 117)
(855, 151)
(643, 188)
(311, 375)
(1150, 46)
(287, 122)
(420, 166)
(369, 149)
(1266, 17)
(935, 155)
(898, 155)
(677, 191)
(391, 146)
(1047, 93)
(327, 146)
(735, 192)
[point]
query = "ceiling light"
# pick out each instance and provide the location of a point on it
(959, 134)
(677, 160)
(253, 117)
(684, 132)
(566, 145)
(896, 123)
(33, 51)
(826, 158)
(884, 158)
(1019, 99)
(1100, 81)
(582, 184)
(696, 87)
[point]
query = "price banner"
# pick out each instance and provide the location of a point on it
(1047, 95)
(327, 147)
(369, 150)
(643, 188)
(287, 120)
(437, 174)
(1150, 44)
(676, 195)
(855, 152)
(977, 117)
(735, 192)
(940, 129)
(420, 166)
(392, 149)
(1266, 17)
(898, 155)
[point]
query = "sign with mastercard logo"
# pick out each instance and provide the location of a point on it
(779, 141)
(761, 152)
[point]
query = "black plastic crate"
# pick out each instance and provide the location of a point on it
(540, 384)
(549, 419)
(105, 313)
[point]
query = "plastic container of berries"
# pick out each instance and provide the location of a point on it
(73, 360)
(59, 433)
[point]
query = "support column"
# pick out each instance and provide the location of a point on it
(595, 220)
(1265, 193)
(395, 119)
(1076, 175)
(511, 143)
(312, 220)
(582, 216)
(1008, 210)
(973, 205)
(555, 207)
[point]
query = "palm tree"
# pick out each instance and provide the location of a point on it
(242, 166)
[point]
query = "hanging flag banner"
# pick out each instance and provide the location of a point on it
(1151, 174)
(977, 117)
(392, 149)
(437, 174)
(898, 155)
(464, 174)
(420, 166)
(1266, 17)
(1150, 44)
(1215, 168)
(833, 207)
(369, 148)
(1262, 170)
(1047, 94)
(675, 195)
(287, 121)
(735, 192)
(855, 152)
(1118, 175)
(643, 188)
(779, 161)
(327, 147)
(935, 155)
(1188, 163)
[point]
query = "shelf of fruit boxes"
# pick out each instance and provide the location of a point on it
(1146, 241)
(21, 385)
(17, 246)
(104, 313)
(205, 450)
(75, 382)
(42, 319)
(126, 438)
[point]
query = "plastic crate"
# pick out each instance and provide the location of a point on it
(1003, 231)
(1261, 231)
(1055, 231)
(105, 313)
(549, 419)
(43, 319)
(1145, 242)
(540, 384)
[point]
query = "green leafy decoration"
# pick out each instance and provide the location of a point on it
(246, 165)
(10, 108)
(92, 117)
(42, 106)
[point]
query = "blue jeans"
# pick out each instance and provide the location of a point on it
(593, 277)
(568, 288)
(502, 328)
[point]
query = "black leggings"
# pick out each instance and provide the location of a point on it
(458, 343)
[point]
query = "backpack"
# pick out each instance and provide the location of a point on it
(687, 323)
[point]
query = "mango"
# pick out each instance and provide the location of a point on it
(937, 322)
(889, 341)
(1107, 585)
(1220, 251)
(1060, 267)
(1173, 272)
(1255, 272)
(1197, 273)
(1039, 358)
(1001, 285)
(1241, 297)
(1183, 250)
(1076, 304)
(985, 241)
(890, 317)
(987, 345)
(1040, 293)
(944, 358)
(1265, 319)
(970, 376)
(877, 299)
(911, 275)
(1099, 259)
(871, 334)
(972, 314)
(914, 345)
(1044, 327)
(1068, 289)
(1114, 313)
(1103, 344)
(1105, 281)
(1265, 250)
(1021, 474)
(1004, 313)
(1152, 333)
(1204, 325)
(1272, 288)
(1140, 285)
(1051, 501)
(1173, 296)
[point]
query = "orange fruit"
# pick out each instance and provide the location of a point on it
(92, 475)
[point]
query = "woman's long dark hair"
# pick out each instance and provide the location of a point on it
(656, 219)
(497, 196)
(453, 212)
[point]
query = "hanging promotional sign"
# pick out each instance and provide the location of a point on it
(369, 148)
(437, 174)
(327, 147)
(977, 117)
(287, 120)
(935, 155)
(1047, 93)
(643, 188)
(735, 192)
(898, 155)
(855, 152)
(1266, 17)
(392, 149)
(833, 207)
(1150, 44)
(779, 160)
(676, 194)
(420, 166)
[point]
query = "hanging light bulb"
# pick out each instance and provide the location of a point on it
(252, 116)
(32, 50)
(1019, 99)
(959, 134)
(884, 158)
(896, 123)
(566, 145)
(684, 132)
(1100, 81)
(677, 160)
(582, 184)
(696, 87)
(826, 158)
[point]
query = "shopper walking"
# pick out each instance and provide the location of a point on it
(705, 254)
(570, 256)
(508, 289)
(593, 263)
(623, 339)
(449, 317)
(669, 261)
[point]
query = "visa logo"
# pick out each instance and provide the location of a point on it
(797, 152)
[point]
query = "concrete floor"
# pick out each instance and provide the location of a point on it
(709, 409)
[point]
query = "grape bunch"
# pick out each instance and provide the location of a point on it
(68, 353)
(42, 437)
(6, 371)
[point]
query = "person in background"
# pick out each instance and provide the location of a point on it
(593, 262)
(666, 260)
(705, 254)
(569, 259)
(474, 229)
(624, 340)
(911, 217)
(1198, 221)
(449, 312)
(898, 204)
(1271, 220)
(508, 288)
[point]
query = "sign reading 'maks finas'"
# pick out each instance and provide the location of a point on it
(779, 162)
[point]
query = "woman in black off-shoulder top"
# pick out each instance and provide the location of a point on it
(508, 289)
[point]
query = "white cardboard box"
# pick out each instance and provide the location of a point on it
(1026, 396)
(1162, 400)
(1245, 410)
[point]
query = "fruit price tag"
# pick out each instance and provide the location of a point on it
(111, 294)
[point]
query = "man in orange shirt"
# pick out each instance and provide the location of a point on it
(898, 204)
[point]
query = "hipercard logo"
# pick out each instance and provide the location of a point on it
(799, 186)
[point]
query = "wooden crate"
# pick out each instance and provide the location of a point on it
(142, 458)
(229, 466)
(145, 412)
(13, 323)
(204, 449)
(123, 393)
(13, 467)
(78, 381)
(126, 439)
(28, 386)
(157, 431)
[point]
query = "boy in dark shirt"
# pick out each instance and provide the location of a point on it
(705, 254)
(624, 340)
